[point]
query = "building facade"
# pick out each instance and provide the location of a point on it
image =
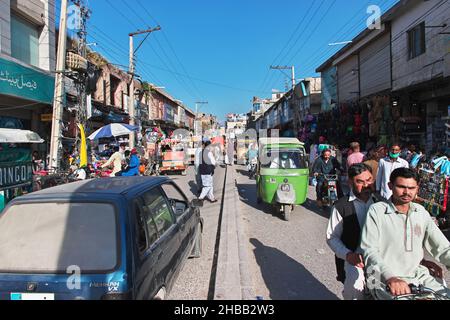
(27, 63)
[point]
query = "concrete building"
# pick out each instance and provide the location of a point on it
(398, 74)
(27, 60)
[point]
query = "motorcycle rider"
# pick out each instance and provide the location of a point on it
(325, 165)
(394, 238)
(252, 156)
(344, 230)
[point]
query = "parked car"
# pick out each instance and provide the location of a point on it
(113, 238)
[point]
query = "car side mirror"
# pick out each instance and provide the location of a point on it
(196, 203)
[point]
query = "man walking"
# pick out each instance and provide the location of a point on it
(344, 230)
(386, 166)
(357, 156)
(197, 161)
(394, 238)
(207, 167)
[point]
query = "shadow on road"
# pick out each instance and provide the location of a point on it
(243, 172)
(311, 205)
(247, 193)
(287, 279)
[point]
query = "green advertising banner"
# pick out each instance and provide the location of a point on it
(27, 83)
(8, 154)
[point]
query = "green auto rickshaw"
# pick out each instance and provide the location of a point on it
(282, 174)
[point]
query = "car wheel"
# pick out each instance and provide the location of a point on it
(161, 295)
(197, 249)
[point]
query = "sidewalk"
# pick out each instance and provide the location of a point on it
(233, 278)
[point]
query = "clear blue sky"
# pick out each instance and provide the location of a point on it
(220, 51)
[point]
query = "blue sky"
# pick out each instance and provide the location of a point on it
(220, 51)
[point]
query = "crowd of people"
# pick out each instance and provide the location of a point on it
(377, 231)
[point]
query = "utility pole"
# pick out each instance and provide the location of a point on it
(297, 118)
(196, 115)
(55, 142)
(292, 68)
(82, 77)
(131, 109)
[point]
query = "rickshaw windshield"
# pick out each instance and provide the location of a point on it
(283, 159)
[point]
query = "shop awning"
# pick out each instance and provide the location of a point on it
(19, 136)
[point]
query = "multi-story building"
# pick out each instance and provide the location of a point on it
(27, 63)
(396, 77)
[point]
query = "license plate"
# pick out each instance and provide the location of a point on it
(32, 296)
(332, 183)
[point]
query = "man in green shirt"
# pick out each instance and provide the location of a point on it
(394, 238)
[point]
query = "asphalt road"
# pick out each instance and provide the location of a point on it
(194, 281)
(288, 260)
(291, 260)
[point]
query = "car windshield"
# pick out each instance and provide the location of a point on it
(50, 237)
(283, 159)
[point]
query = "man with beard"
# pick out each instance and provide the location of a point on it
(344, 230)
(394, 238)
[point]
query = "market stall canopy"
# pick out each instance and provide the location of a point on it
(113, 130)
(19, 136)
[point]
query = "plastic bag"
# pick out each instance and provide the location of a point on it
(314, 181)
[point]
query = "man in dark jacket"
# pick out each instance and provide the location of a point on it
(325, 164)
(206, 168)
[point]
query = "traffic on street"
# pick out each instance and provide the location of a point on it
(215, 153)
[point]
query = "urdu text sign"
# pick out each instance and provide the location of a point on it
(27, 83)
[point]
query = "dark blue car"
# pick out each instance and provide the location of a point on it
(116, 238)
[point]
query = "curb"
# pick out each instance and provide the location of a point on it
(233, 279)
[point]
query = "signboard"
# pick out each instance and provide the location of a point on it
(168, 113)
(27, 83)
(47, 117)
(15, 174)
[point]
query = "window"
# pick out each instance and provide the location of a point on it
(284, 159)
(157, 206)
(50, 237)
(147, 232)
(177, 200)
(24, 41)
(416, 41)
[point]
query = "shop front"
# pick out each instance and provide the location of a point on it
(26, 98)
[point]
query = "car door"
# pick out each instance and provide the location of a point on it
(165, 250)
(186, 219)
(145, 238)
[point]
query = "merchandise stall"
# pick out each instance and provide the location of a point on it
(433, 191)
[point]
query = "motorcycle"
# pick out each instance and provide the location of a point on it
(329, 190)
(417, 293)
(252, 164)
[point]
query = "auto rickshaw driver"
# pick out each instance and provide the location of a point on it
(283, 161)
